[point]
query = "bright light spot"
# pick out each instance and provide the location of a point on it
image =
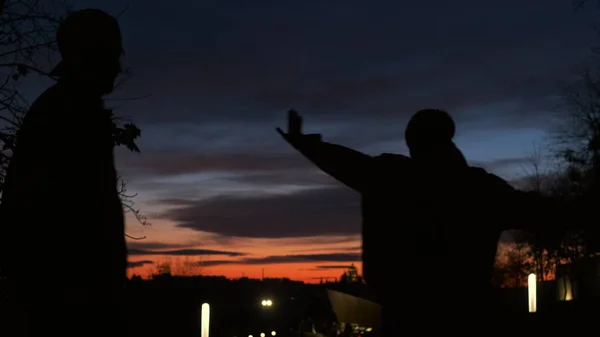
(269, 303)
(273, 333)
(249, 335)
(262, 334)
(205, 319)
(531, 287)
(565, 288)
(369, 329)
(266, 303)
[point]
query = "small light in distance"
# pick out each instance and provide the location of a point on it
(262, 334)
(269, 303)
(249, 335)
(264, 303)
(273, 333)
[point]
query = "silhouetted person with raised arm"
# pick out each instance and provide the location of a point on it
(63, 229)
(432, 215)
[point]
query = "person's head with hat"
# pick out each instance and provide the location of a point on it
(90, 45)
(429, 135)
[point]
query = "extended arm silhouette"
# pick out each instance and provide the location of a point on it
(351, 167)
(517, 209)
(531, 210)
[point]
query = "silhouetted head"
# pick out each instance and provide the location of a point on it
(429, 136)
(428, 128)
(90, 44)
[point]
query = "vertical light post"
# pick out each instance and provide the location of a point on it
(531, 290)
(205, 320)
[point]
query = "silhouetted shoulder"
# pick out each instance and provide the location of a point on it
(36, 143)
(390, 166)
(44, 109)
(393, 158)
(395, 163)
(55, 115)
(489, 181)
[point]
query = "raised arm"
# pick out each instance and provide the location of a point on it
(350, 167)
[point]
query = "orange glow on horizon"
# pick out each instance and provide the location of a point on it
(307, 272)
(252, 248)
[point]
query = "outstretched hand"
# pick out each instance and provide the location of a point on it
(294, 129)
(294, 134)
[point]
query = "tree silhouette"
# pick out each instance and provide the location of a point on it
(579, 4)
(179, 266)
(576, 177)
(26, 42)
(543, 245)
(512, 267)
(577, 143)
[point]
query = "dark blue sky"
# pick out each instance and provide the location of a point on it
(222, 74)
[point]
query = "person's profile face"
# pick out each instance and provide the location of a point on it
(107, 70)
(112, 72)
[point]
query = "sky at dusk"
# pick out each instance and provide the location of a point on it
(218, 184)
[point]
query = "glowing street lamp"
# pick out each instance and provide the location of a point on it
(266, 303)
(531, 289)
(204, 320)
(273, 333)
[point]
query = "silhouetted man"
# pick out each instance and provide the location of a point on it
(64, 227)
(431, 214)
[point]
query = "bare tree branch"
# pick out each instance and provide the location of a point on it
(580, 4)
(135, 238)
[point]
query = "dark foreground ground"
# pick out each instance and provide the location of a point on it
(560, 319)
(161, 309)
(176, 314)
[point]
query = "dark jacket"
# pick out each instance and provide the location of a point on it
(61, 211)
(430, 232)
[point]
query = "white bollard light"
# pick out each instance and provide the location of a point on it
(205, 320)
(531, 289)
